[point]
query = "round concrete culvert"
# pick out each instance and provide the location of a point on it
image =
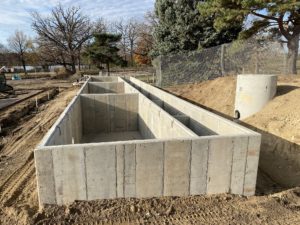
(253, 92)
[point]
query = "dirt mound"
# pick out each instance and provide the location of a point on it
(218, 94)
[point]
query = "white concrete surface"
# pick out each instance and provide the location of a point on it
(253, 92)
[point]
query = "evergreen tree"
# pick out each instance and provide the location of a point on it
(103, 50)
(281, 17)
(181, 27)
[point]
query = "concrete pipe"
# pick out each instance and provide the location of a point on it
(253, 92)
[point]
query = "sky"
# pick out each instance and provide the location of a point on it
(15, 14)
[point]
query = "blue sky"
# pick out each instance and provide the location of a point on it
(15, 14)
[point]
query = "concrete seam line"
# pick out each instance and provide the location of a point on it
(190, 167)
(207, 166)
(163, 174)
(233, 141)
(135, 169)
(124, 162)
(53, 178)
(245, 168)
(116, 172)
(85, 174)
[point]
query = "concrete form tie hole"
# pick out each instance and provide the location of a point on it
(59, 130)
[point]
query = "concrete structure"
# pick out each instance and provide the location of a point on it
(130, 139)
(253, 92)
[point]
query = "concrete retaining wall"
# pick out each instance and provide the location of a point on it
(174, 161)
(146, 169)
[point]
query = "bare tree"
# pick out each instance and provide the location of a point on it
(133, 34)
(65, 30)
(19, 44)
(121, 28)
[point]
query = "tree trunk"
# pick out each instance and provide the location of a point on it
(293, 47)
(73, 58)
(24, 64)
(131, 53)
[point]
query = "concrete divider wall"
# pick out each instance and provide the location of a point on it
(109, 113)
(105, 87)
(207, 122)
(146, 169)
(103, 79)
(154, 122)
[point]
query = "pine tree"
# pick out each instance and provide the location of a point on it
(181, 27)
(104, 50)
(283, 17)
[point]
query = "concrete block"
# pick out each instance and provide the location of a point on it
(219, 165)
(101, 171)
(199, 163)
(45, 176)
(177, 168)
(149, 169)
(240, 147)
(252, 165)
(69, 174)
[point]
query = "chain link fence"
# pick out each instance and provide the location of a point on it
(240, 57)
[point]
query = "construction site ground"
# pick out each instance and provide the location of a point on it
(24, 125)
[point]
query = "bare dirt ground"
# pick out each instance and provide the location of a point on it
(19, 201)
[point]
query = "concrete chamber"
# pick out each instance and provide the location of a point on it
(253, 92)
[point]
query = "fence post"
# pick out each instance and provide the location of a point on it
(222, 60)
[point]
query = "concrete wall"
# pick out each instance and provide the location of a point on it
(147, 168)
(105, 87)
(154, 122)
(103, 79)
(175, 162)
(109, 113)
(68, 128)
(203, 122)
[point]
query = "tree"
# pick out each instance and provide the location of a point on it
(103, 50)
(133, 34)
(19, 44)
(280, 16)
(121, 28)
(65, 30)
(181, 27)
(144, 44)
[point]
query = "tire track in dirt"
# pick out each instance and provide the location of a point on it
(18, 194)
(15, 185)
